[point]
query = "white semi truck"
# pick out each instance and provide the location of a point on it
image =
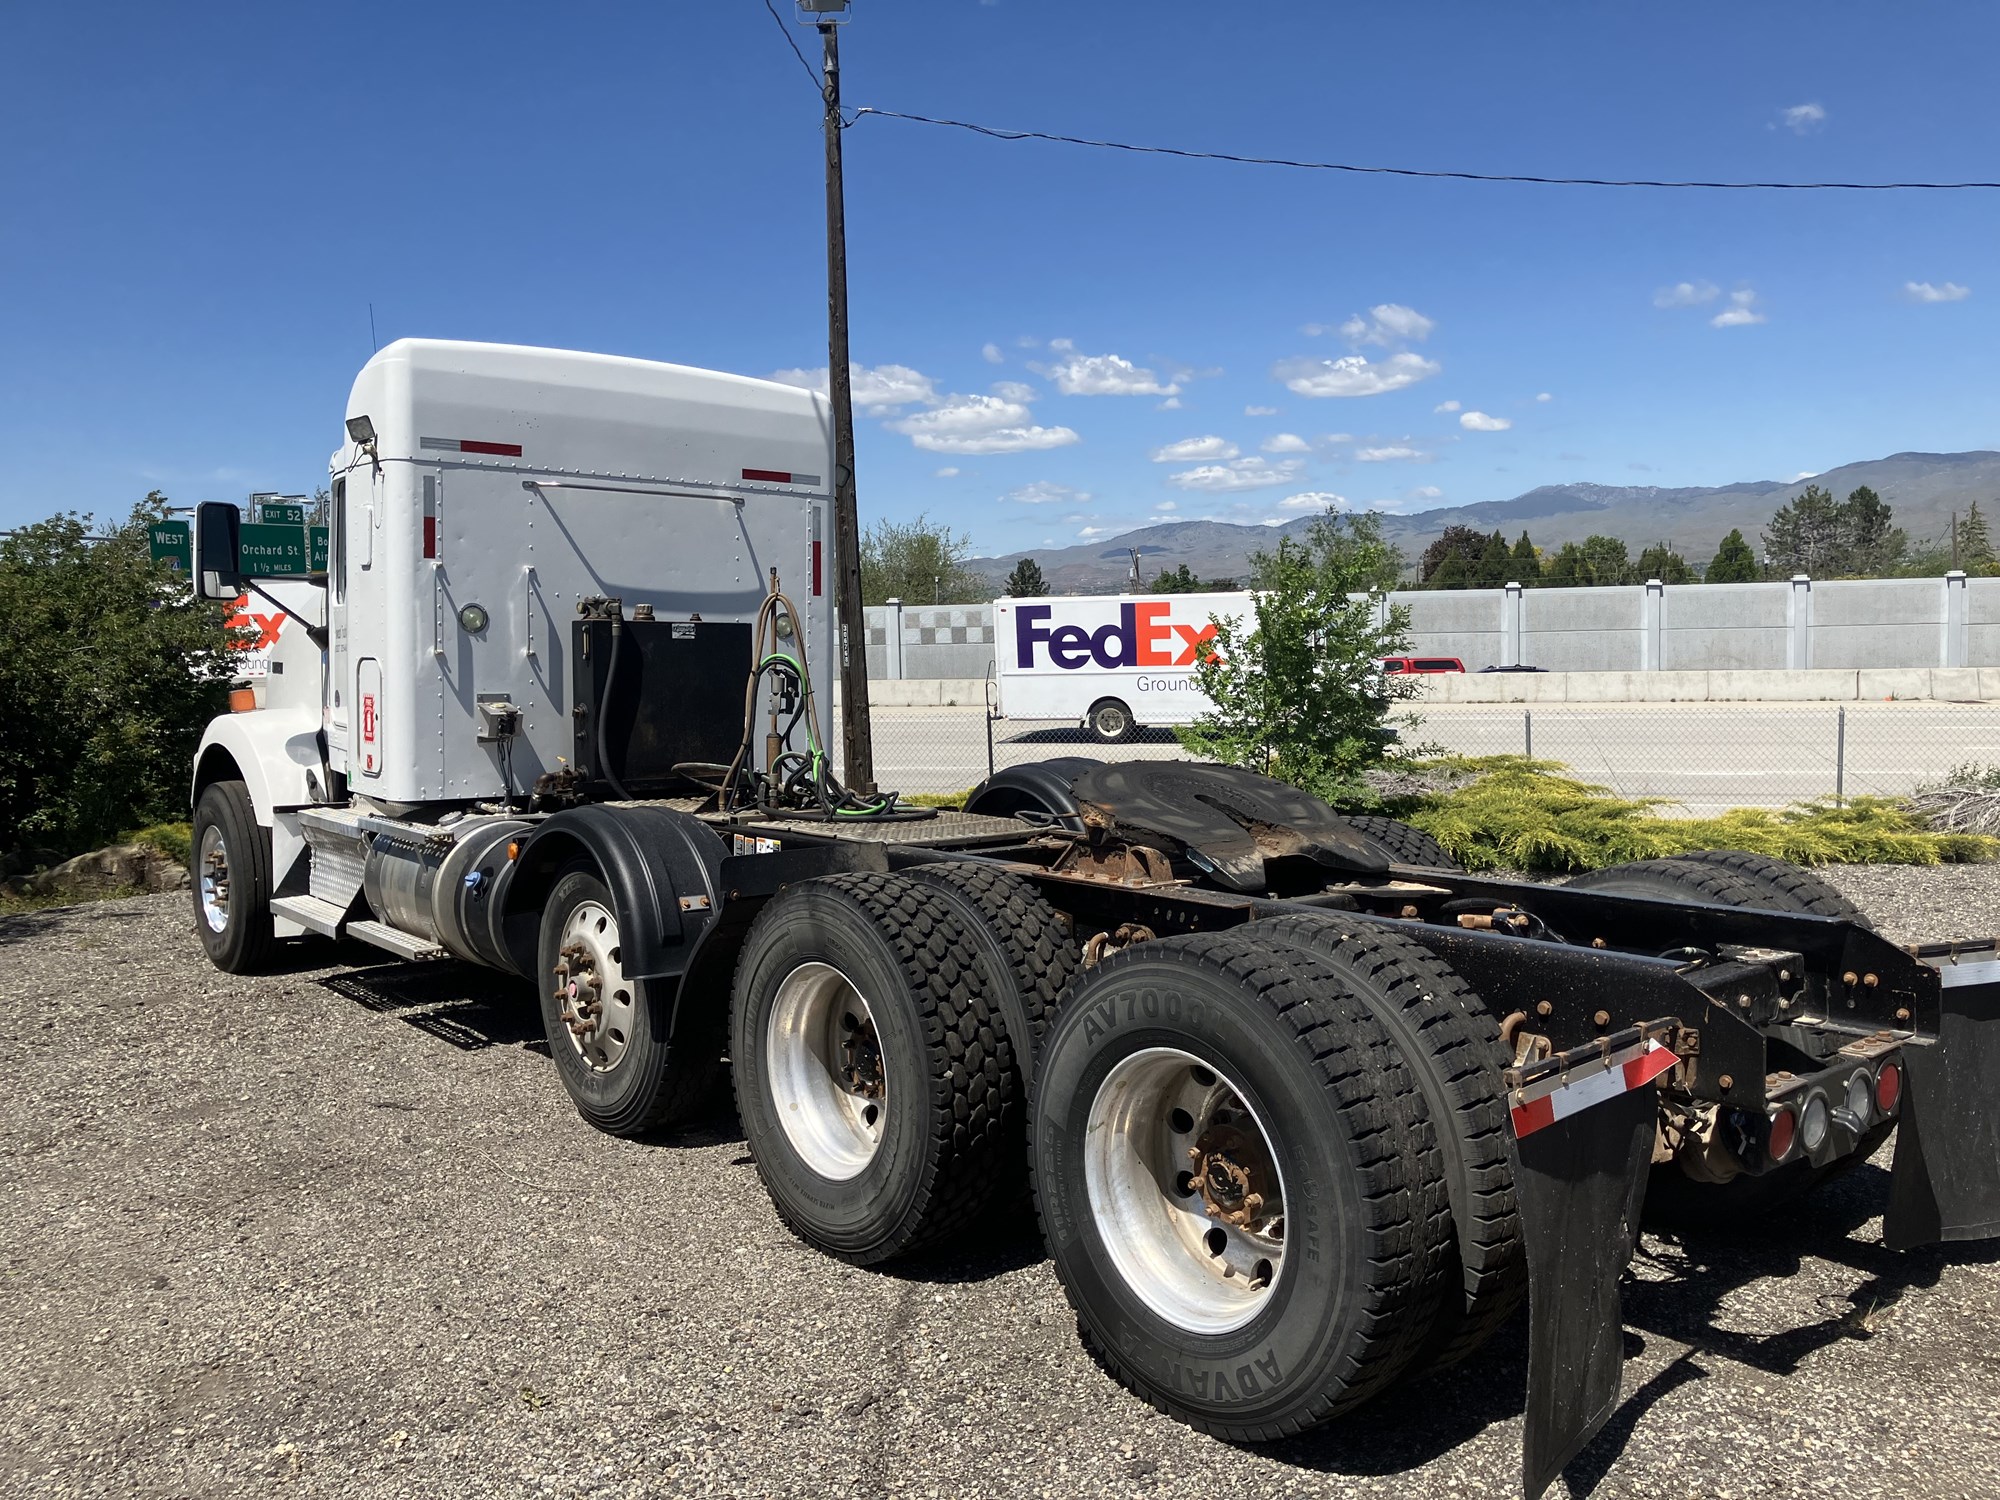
(1309, 1108)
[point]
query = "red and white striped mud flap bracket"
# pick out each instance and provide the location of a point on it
(1583, 1129)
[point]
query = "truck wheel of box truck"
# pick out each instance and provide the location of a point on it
(1110, 721)
(1220, 1162)
(871, 1079)
(232, 879)
(626, 1063)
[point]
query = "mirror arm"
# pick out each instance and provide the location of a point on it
(314, 633)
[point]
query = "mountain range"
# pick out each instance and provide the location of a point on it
(1923, 488)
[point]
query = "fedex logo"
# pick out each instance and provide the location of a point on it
(266, 626)
(1141, 636)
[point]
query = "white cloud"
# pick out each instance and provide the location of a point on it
(1478, 421)
(1802, 475)
(949, 471)
(1168, 505)
(1260, 411)
(1426, 492)
(1803, 119)
(992, 355)
(1013, 390)
(1286, 442)
(1924, 291)
(1102, 375)
(1191, 450)
(1353, 375)
(1046, 492)
(979, 424)
(883, 389)
(1172, 403)
(1313, 500)
(1239, 474)
(1092, 533)
(1447, 406)
(1543, 396)
(1337, 437)
(1390, 455)
(1741, 312)
(1386, 323)
(1686, 294)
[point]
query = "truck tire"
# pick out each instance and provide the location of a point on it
(1452, 1045)
(1110, 721)
(629, 1064)
(232, 880)
(1213, 1039)
(1785, 886)
(872, 1077)
(1672, 880)
(1025, 943)
(1402, 843)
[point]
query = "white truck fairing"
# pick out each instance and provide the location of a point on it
(1055, 658)
(503, 484)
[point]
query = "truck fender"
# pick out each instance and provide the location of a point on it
(1046, 788)
(270, 751)
(662, 867)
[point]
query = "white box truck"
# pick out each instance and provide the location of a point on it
(1309, 1108)
(1114, 664)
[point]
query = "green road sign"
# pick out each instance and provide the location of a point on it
(316, 549)
(170, 544)
(272, 514)
(273, 551)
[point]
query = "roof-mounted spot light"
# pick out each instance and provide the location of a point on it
(361, 431)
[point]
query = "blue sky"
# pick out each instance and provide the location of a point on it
(201, 202)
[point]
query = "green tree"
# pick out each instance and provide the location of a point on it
(1733, 562)
(1595, 562)
(1806, 535)
(1875, 546)
(1026, 581)
(1297, 686)
(1974, 546)
(1457, 541)
(1454, 572)
(1181, 579)
(110, 673)
(1494, 564)
(918, 563)
(1527, 563)
(1661, 562)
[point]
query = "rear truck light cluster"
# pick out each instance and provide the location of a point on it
(1867, 1098)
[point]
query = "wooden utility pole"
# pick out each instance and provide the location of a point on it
(857, 740)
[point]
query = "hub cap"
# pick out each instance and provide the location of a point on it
(1185, 1191)
(596, 997)
(212, 865)
(823, 1062)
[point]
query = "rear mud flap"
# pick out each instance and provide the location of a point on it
(1580, 1184)
(1946, 1180)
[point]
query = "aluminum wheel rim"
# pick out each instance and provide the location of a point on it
(1112, 722)
(598, 1002)
(213, 864)
(1201, 1259)
(824, 1065)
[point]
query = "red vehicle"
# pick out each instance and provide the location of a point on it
(1422, 664)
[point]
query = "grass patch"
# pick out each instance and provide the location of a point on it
(17, 903)
(1522, 814)
(174, 840)
(954, 801)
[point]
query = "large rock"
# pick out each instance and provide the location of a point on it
(122, 867)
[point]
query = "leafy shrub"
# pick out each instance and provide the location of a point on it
(1527, 815)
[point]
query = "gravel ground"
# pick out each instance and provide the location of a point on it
(337, 1233)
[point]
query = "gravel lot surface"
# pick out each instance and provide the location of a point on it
(337, 1232)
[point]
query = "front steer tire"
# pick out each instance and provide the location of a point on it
(881, 1127)
(664, 1071)
(231, 880)
(1342, 1311)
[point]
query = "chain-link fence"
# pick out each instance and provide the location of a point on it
(1701, 757)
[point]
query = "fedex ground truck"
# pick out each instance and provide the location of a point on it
(1114, 664)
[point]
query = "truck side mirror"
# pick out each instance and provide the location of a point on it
(218, 545)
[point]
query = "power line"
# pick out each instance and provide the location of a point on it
(793, 42)
(1335, 166)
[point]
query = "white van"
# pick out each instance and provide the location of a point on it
(1114, 663)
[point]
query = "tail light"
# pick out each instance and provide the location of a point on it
(1814, 1122)
(1858, 1106)
(1888, 1088)
(1783, 1132)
